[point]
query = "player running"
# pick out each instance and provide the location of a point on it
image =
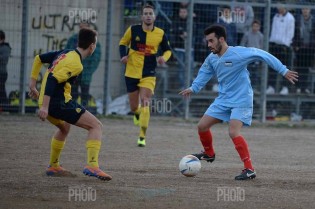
(143, 42)
(59, 109)
(234, 103)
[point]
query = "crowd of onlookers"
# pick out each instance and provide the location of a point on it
(291, 39)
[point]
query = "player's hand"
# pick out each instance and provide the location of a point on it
(292, 76)
(43, 113)
(33, 93)
(124, 59)
(161, 60)
(186, 93)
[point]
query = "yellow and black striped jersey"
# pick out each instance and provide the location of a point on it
(143, 49)
(64, 67)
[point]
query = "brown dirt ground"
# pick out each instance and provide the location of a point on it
(149, 177)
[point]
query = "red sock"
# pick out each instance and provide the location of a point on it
(242, 149)
(206, 141)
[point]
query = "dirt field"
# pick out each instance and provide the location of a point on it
(149, 177)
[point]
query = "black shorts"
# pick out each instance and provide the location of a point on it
(69, 112)
(133, 84)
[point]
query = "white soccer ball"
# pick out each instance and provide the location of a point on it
(189, 166)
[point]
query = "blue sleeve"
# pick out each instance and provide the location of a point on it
(204, 75)
(122, 50)
(49, 56)
(50, 85)
(253, 54)
(165, 44)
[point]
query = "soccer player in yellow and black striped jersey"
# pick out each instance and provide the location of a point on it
(56, 104)
(143, 42)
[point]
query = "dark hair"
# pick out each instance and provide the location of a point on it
(2, 35)
(218, 30)
(256, 21)
(147, 6)
(87, 37)
(226, 7)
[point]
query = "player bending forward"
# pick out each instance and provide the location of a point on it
(234, 103)
(59, 109)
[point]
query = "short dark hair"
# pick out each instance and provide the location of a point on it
(147, 6)
(87, 37)
(256, 21)
(2, 35)
(218, 30)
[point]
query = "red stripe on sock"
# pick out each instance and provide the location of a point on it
(242, 149)
(206, 141)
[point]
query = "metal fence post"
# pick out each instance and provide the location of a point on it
(23, 56)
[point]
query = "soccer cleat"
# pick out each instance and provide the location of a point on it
(58, 172)
(246, 174)
(204, 156)
(136, 119)
(96, 172)
(141, 142)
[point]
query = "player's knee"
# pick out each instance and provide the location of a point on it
(233, 133)
(99, 126)
(202, 127)
(64, 128)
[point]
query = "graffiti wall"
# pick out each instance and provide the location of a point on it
(49, 26)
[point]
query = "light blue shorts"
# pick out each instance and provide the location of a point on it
(226, 114)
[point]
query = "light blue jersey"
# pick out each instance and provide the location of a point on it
(235, 88)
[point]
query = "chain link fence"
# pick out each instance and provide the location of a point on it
(32, 27)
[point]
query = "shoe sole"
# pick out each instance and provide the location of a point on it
(248, 178)
(61, 174)
(103, 178)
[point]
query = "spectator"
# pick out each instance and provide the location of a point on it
(254, 38)
(179, 37)
(90, 65)
(244, 16)
(281, 36)
(227, 21)
(5, 52)
(304, 43)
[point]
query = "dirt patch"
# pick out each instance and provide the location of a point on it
(149, 177)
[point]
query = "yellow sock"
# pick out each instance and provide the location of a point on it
(55, 151)
(93, 148)
(138, 110)
(144, 120)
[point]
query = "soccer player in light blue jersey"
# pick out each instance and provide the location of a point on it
(234, 103)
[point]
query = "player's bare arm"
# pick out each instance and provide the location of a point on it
(43, 111)
(161, 60)
(33, 93)
(292, 76)
(186, 93)
(124, 59)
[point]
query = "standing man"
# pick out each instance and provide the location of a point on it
(281, 37)
(234, 103)
(56, 104)
(142, 42)
(304, 46)
(90, 65)
(179, 40)
(5, 52)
